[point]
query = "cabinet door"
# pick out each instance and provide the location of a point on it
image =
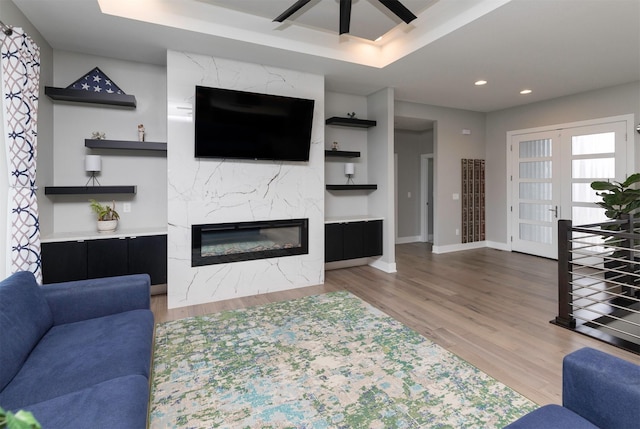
(333, 242)
(372, 243)
(149, 255)
(64, 261)
(353, 240)
(107, 258)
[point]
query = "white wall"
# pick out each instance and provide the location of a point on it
(614, 101)
(74, 122)
(217, 191)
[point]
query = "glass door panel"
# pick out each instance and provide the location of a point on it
(535, 205)
(551, 179)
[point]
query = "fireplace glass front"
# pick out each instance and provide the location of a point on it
(244, 241)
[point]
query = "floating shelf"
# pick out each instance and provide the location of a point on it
(80, 96)
(125, 144)
(341, 154)
(351, 187)
(351, 122)
(88, 190)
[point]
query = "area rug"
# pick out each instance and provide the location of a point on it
(325, 361)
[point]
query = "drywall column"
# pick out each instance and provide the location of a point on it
(380, 142)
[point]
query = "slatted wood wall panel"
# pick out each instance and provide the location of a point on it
(473, 200)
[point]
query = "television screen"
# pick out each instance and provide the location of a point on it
(247, 125)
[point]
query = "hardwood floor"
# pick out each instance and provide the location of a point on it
(491, 308)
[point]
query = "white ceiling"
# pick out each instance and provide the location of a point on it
(369, 19)
(554, 47)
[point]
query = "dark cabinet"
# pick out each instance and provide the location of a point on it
(79, 260)
(64, 261)
(333, 238)
(353, 240)
(107, 258)
(148, 254)
(372, 238)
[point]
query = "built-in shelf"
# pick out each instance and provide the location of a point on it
(88, 190)
(351, 187)
(125, 144)
(80, 96)
(341, 154)
(350, 122)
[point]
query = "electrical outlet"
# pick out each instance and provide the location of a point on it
(457, 231)
(126, 207)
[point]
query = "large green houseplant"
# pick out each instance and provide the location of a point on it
(618, 198)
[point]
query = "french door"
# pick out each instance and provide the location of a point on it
(551, 173)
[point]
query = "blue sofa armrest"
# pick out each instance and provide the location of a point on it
(88, 299)
(602, 388)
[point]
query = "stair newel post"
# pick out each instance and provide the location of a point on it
(565, 299)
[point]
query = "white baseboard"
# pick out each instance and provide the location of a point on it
(499, 246)
(459, 247)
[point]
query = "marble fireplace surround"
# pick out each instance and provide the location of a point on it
(213, 191)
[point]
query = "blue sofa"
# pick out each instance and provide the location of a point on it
(77, 354)
(598, 391)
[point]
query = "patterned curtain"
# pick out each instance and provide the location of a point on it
(20, 73)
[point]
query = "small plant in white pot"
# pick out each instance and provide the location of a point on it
(107, 216)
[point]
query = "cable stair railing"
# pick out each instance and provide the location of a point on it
(599, 280)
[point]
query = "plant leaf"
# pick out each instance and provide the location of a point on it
(603, 186)
(634, 178)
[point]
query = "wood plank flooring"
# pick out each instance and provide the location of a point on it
(491, 308)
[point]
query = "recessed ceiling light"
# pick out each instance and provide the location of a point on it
(526, 91)
(480, 82)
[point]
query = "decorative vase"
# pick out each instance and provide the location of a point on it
(107, 225)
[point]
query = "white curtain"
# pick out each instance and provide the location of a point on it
(20, 74)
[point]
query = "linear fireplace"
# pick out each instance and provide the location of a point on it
(243, 241)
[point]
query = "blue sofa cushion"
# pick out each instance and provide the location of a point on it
(602, 388)
(549, 417)
(24, 318)
(119, 403)
(74, 356)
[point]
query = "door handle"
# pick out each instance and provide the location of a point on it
(555, 211)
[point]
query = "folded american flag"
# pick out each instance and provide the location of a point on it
(96, 81)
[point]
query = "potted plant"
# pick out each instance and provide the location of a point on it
(20, 420)
(618, 198)
(107, 216)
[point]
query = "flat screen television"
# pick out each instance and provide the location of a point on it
(248, 125)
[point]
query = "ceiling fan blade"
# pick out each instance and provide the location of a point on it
(345, 16)
(293, 9)
(398, 8)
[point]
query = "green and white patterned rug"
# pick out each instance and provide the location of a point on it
(325, 361)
